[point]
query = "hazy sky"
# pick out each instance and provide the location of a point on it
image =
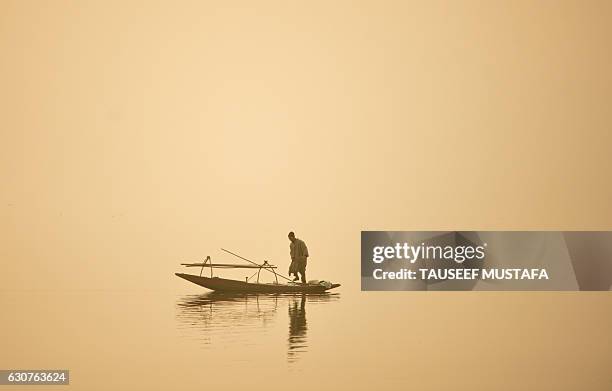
(138, 134)
(135, 135)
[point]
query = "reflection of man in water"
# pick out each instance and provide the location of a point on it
(297, 327)
(299, 255)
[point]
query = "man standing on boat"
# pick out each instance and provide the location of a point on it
(299, 256)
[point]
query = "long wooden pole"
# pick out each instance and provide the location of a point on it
(255, 263)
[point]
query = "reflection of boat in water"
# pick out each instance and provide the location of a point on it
(214, 312)
(241, 317)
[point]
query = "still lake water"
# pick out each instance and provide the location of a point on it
(196, 340)
(242, 321)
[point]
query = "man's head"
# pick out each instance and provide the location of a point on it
(291, 236)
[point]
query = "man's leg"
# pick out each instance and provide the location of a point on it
(303, 271)
(293, 270)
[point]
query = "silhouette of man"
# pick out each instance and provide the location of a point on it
(299, 256)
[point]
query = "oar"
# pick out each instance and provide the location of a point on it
(255, 263)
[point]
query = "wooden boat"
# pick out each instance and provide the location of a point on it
(227, 285)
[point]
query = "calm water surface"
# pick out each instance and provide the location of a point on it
(225, 320)
(188, 339)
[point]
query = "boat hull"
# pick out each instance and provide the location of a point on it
(225, 285)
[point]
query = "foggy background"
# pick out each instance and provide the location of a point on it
(137, 135)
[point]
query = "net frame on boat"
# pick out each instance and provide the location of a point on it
(208, 263)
